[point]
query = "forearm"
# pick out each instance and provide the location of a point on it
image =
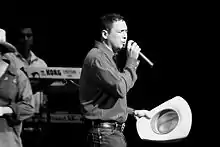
(131, 66)
(16, 113)
(22, 110)
(116, 83)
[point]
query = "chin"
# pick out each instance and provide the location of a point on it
(120, 47)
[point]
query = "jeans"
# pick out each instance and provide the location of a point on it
(105, 137)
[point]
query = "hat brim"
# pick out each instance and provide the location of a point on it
(7, 47)
(147, 130)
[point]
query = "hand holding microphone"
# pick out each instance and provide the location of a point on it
(134, 51)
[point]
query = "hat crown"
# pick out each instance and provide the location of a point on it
(2, 35)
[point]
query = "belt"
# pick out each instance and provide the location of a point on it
(107, 125)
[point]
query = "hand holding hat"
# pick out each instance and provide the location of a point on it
(142, 113)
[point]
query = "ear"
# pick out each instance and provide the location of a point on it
(104, 34)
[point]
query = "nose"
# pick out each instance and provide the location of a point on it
(26, 38)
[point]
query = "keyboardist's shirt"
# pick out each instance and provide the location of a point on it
(103, 88)
(34, 61)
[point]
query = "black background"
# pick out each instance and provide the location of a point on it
(171, 35)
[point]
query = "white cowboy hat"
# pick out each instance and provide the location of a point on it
(4, 43)
(170, 121)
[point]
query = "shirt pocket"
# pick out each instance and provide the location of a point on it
(8, 88)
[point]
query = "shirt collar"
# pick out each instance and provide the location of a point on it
(105, 48)
(32, 57)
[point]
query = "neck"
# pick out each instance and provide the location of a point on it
(108, 47)
(25, 53)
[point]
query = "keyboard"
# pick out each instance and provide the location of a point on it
(53, 72)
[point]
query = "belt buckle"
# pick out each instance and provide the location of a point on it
(122, 127)
(106, 125)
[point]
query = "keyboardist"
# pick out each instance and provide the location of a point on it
(23, 57)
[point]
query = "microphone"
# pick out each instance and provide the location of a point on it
(141, 54)
(146, 59)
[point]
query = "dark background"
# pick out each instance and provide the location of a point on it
(169, 34)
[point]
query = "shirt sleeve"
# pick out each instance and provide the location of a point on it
(42, 63)
(111, 80)
(23, 107)
(130, 110)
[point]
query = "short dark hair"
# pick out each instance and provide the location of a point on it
(108, 19)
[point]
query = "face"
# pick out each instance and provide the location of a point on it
(26, 38)
(117, 36)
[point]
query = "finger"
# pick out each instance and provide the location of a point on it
(139, 49)
(148, 114)
(129, 44)
(134, 46)
(136, 117)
